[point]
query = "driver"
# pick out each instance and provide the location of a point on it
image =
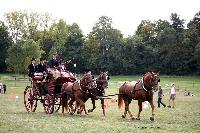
(42, 68)
(54, 64)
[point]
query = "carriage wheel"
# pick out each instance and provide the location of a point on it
(30, 101)
(49, 103)
(57, 104)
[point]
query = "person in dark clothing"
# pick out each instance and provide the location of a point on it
(32, 68)
(41, 68)
(53, 63)
(160, 95)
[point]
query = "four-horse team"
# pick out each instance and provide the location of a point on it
(56, 86)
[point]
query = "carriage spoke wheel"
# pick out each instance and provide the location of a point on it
(30, 101)
(49, 103)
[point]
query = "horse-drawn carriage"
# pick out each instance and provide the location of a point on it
(47, 90)
(65, 91)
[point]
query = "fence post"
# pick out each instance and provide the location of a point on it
(15, 80)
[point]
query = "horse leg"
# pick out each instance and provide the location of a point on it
(72, 110)
(140, 109)
(93, 103)
(152, 107)
(82, 107)
(77, 106)
(64, 101)
(63, 104)
(102, 106)
(130, 114)
(85, 109)
(126, 108)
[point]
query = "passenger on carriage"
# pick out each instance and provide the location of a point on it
(32, 68)
(64, 70)
(41, 69)
(62, 65)
(54, 64)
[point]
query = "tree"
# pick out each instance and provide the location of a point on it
(60, 34)
(91, 53)
(177, 23)
(129, 55)
(197, 58)
(73, 47)
(173, 55)
(146, 30)
(19, 55)
(161, 25)
(147, 47)
(5, 43)
(109, 40)
(193, 36)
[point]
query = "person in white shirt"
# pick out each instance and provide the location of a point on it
(172, 96)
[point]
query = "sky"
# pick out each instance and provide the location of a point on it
(126, 14)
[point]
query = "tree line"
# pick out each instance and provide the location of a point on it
(171, 47)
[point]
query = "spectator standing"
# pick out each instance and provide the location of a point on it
(172, 96)
(160, 96)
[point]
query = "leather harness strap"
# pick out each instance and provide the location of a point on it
(143, 87)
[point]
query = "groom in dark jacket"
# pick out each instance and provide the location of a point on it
(53, 63)
(42, 66)
(32, 68)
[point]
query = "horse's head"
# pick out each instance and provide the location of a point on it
(87, 78)
(102, 80)
(49, 77)
(151, 79)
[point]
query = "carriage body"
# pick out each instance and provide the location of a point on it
(48, 92)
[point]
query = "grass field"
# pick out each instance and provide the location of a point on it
(185, 117)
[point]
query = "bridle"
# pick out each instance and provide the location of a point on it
(102, 82)
(146, 87)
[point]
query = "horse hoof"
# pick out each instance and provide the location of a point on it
(137, 118)
(151, 118)
(71, 113)
(89, 110)
(123, 116)
(78, 112)
(133, 118)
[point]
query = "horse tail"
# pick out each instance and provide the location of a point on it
(120, 101)
(64, 97)
(64, 101)
(120, 96)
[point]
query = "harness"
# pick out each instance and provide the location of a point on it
(88, 91)
(143, 87)
(143, 84)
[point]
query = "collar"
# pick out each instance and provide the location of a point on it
(143, 85)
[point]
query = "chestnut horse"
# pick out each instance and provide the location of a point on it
(99, 90)
(141, 91)
(77, 91)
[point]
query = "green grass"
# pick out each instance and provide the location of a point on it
(185, 117)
